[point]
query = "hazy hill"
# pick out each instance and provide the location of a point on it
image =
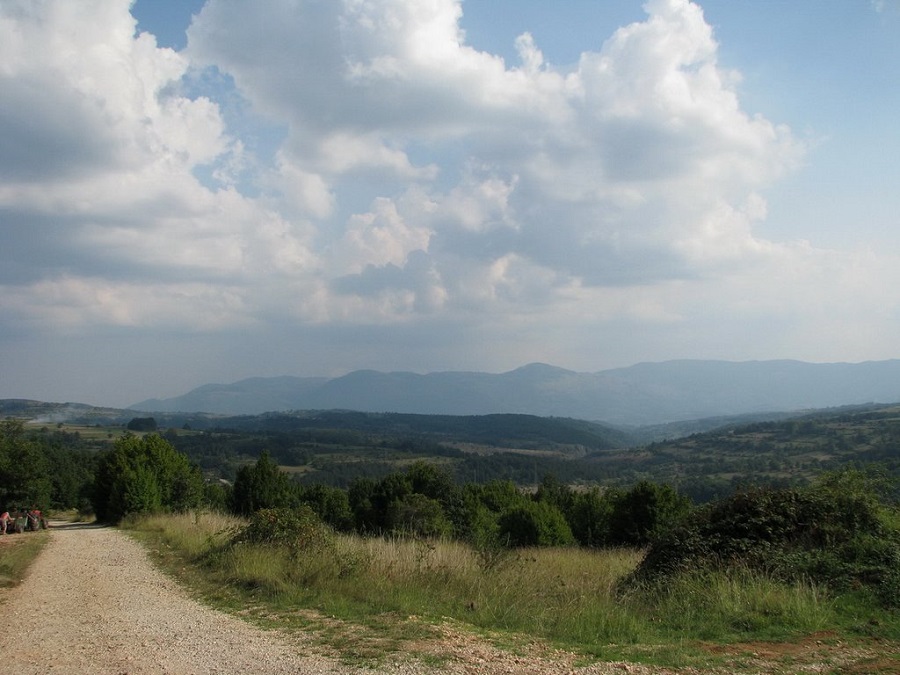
(647, 393)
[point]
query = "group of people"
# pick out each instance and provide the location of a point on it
(19, 520)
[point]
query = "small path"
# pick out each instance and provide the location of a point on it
(94, 603)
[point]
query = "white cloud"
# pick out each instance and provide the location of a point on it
(418, 178)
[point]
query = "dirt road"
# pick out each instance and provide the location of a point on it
(94, 603)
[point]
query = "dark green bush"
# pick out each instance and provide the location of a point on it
(535, 524)
(835, 534)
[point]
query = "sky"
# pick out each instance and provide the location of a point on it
(196, 192)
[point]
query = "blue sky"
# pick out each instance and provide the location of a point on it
(197, 192)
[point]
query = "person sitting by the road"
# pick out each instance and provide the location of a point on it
(35, 520)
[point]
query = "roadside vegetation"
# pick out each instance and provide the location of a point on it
(367, 596)
(638, 571)
(17, 552)
(780, 565)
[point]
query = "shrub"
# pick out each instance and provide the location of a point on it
(535, 524)
(295, 529)
(418, 515)
(833, 534)
(286, 549)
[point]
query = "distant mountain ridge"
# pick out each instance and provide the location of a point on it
(646, 393)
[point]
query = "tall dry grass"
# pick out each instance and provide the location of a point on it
(568, 595)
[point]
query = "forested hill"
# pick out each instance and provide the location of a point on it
(336, 447)
(785, 451)
(507, 431)
(644, 394)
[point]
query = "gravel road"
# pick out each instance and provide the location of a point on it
(94, 603)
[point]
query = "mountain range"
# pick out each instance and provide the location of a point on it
(643, 394)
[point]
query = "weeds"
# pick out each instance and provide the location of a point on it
(17, 552)
(569, 596)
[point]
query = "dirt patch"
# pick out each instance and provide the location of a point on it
(820, 652)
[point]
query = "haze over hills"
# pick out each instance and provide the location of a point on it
(643, 394)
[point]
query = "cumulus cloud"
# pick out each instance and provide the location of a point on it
(638, 165)
(415, 176)
(98, 190)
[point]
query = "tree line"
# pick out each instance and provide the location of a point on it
(146, 474)
(425, 500)
(50, 472)
(842, 531)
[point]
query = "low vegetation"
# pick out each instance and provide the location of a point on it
(841, 534)
(388, 591)
(17, 552)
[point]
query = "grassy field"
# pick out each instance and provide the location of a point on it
(372, 597)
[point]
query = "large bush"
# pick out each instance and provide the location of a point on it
(144, 475)
(837, 533)
(261, 486)
(646, 510)
(535, 524)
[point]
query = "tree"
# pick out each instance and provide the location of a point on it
(644, 511)
(554, 491)
(360, 495)
(331, 504)
(144, 475)
(24, 471)
(262, 486)
(417, 514)
(841, 533)
(590, 515)
(535, 524)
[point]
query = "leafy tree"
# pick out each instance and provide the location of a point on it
(430, 480)
(24, 470)
(71, 476)
(417, 514)
(644, 511)
(142, 424)
(477, 520)
(217, 496)
(590, 515)
(144, 475)
(372, 501)
(359, 494)
(261, 486)
(535, 524)
(141, 492)
(331, 504)
(496, 496)
(553, 491)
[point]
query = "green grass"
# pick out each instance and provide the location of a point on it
(359, 595)
(17, 552)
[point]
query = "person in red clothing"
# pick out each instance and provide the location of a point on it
(4, 521)
(36, 521)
